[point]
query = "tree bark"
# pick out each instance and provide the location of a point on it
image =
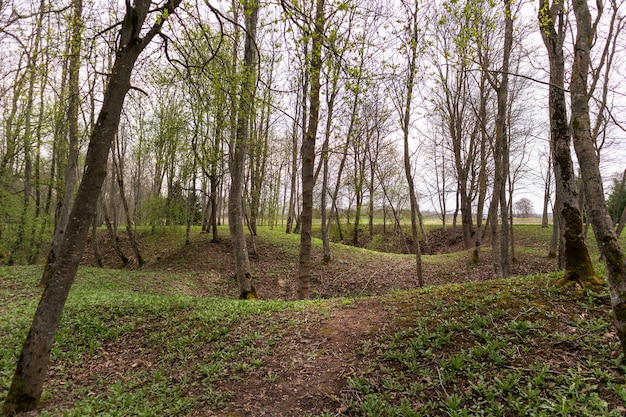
(578, 266)
(414, 27)
(590, 170)
(32, 366)
(238, 151)
(308, 152)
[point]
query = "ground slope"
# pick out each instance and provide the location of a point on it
(153, 342)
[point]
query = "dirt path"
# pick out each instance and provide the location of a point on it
(304, 376)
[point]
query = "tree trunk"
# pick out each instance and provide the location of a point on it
(482, 173)
(585, 150)
(259, 154)
(339, 175)
(71, 171)
(622, 223)
(554, 240)
(119, 174)
(214, 211)
(291, 210)
(414, 27)
(578, 266)
(547, 193)
(359, 177)
(308, 153)
(238, 151)
(327, 257)
(115, 239)
(94, 241)
(618, 197)
(500, 236)
(32, 366)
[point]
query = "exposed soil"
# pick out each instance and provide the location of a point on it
(310, 370)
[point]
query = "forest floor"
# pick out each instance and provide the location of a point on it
(168, 338)
(354, 272)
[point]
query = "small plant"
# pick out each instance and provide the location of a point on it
(360, 385)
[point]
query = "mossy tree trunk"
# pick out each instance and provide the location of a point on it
(578, 266)
(590, 169)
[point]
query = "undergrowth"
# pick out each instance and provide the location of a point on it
(139, 343)
(516, 347)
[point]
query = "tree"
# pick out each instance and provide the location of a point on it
(206, 82)
(117, 159)
(238, 150)
(617, 203)
(610, 249)
(617, 200)
(578, 266)
(333, 65)
(453, 92)
(32, 366)
(547, 191)
(308, 150)
(404, 109)
(524, 208)
(70, 176)
(500, 235)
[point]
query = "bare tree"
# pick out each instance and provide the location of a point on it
(578, 264)
(403, 105)
(500, 235)
(524, 208)
(610, 249)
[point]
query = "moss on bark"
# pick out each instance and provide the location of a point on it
(578, 266)
(17, 400)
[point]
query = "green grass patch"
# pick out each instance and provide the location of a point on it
(137, 342)
(499, 348)
(143, 352)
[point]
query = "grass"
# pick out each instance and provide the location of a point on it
(139, 343)
(508, 347)
(163, 338)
